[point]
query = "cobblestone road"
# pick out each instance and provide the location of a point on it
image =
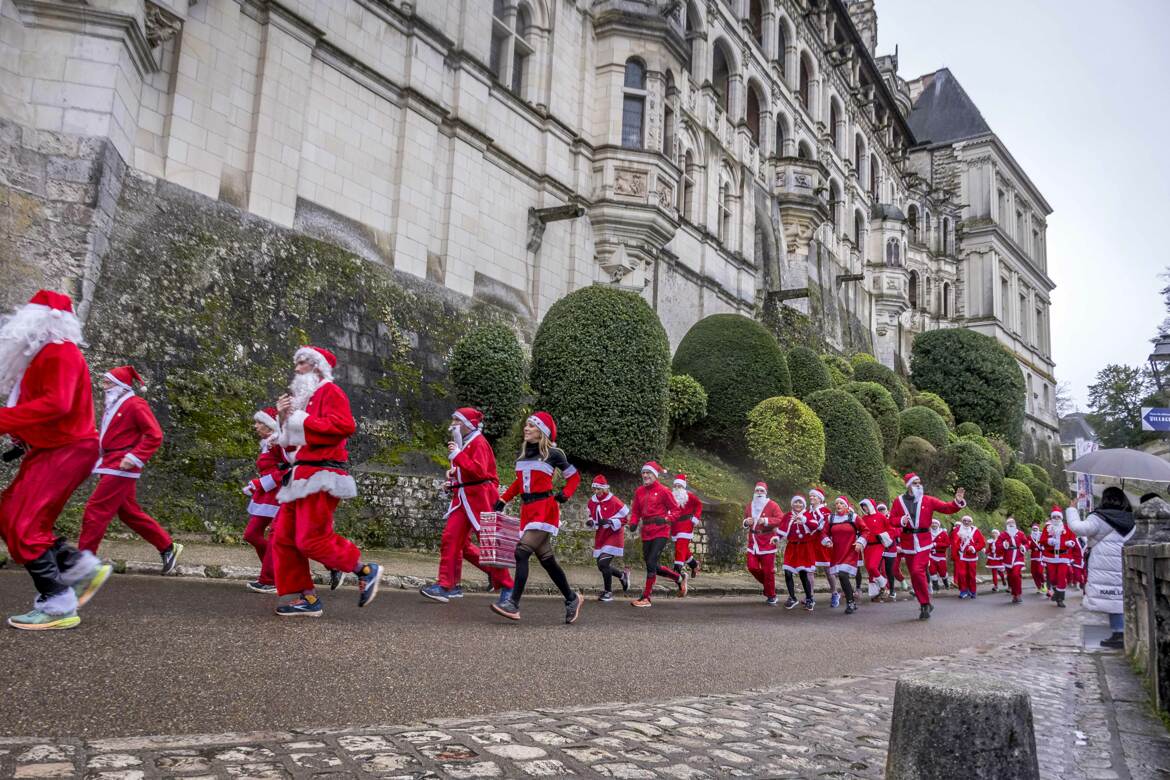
(1092, 723)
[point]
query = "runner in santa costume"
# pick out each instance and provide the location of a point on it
(608, 514)
(315, 422)
(48, 413)
(473, 483)
(654, 507)
(540, 512)
(1057, 542)
(682, 527)
(967, 541)
(914, 511)
(938, 556)
(1011, 545)
(995, 562)
(129, 436)
(763, 519)
(818, 510)
(843, 540)
(261, 493)
(802, 532)
(1036, 560)
(873, 529)
(1076, 565)
(891, 553)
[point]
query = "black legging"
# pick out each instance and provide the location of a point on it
(652, 551)
(890, 563)
(805, 582)
(846, 585)
(555, 573)
(608, 570)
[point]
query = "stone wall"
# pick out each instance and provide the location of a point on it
(1147, 599)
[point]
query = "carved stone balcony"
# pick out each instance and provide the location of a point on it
(800, 189)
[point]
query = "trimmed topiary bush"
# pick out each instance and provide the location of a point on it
(915, 455)
(1056, 498)
(857, 358)
(809, 374)
(881, 407)
(840, 369)
(487, 370)
(1019, 471)
(787, 440)
(601, 368)
(1007, 456)
(975, 375)
(936, 403)
(1039, 490)
(1018, 500)
(739, 364)
(968, 429)
(688, 403)
(873, 371)
(986, 446)
(924, 422)
(976, 471)
(853, 445)
(1040, 473)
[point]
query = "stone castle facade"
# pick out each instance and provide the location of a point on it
(748, 156)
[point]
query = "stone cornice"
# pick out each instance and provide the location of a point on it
(93, 23)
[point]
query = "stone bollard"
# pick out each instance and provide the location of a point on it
(961, 726)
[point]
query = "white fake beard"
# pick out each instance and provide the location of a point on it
(302, 388)
(112, 395)
(1035, 536)
(1055, 529)
(680, 496)
(935, 531)
(23, 333)
(758, 504)
(966, 532)
(917, 492)
(1011, 531)
(457, 436)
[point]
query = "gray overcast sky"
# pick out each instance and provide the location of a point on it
(1078, 92)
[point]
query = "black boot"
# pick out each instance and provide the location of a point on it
(45, 574)
(1115, 642)
(924, 612)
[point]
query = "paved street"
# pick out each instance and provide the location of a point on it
(172, 656)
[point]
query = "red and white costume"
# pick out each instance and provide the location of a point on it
(472, 480)
(802, 531)
(539, 510)
(1036, 559)
(1011, 546)
(314, 441)
(1076, 565)
(608, 515)
(842, 534)
(653, 507)
(819, 512)
(967, 541)
(685, 521)
(262, 504)
(915, 519)
(763, 519)
(1057, 543)
(938, 553)
(994, 561)
(874, 530)
(129, 432)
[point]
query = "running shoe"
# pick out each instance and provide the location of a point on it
(336, 579)
(573, 609)
(606, 596)
(683, 577)
(89, 586)
(851, 607)
(455, 592)
(790, 603)
(41, 621)
(435, 592)
(835, 600)
(643, 602)
(259, 587)
(625, 578)
(771, 601)
(507, 609)
(301, 608)
(170, 557)
(693, 565)
(368, 584)
(809, 605)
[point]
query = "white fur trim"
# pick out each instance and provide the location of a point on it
(874, 588)
(118, 473)
(60, 604)
(134, 459)
(267, 482)
(682, 535)
(110, 377)
(263, 510)
(817, 493)
(681, 482)
(324, 481)
(465, 421)
(796, 569)
(609, 549)
(86, 563)
(552, 529)
(293, 434)
(316, 358)
(842, 567)
(266, 420)
(535, 422)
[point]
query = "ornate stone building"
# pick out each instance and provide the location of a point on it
(749, 156)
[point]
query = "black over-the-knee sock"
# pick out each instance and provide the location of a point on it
(557, 575)
(891, 583)
(521, 578)
(806, 583)
(846, 585)
(603, 565)
(790, 584)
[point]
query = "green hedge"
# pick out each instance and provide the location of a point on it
(873, 371)
(809, 374)
(924, 422)
(688, 403)
(1019, 471)
(977, 377)
(1039, 490)
(857, 358)
(487, 370)
(968, 429)
(840, 370)
(1019, 502)
(972, 468)
(739, 364)
(915, 455)
(787, 441)
(1007, 455)
(936, 403)
(986, 446)
(1040, 473)
(881, 407)
(853, 445)
(601, 368)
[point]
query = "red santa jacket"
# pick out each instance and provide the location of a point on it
(608, 515)
(315, 434)
(821, 514)
(1057, 549)
(894, 532)
(842, 532)
(763, 527)
(994, 557)
(129, 430)
(473, 478)
(942, 542)
(52, 405)
(263, 488)
(1076, 556)
(1010, 547)
(1035, 554)
(539, 510)
(872, 527)
(654, 504)
(687, 517)
(967, 549)
(916, 528)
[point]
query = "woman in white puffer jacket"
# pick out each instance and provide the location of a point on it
(1106, 528)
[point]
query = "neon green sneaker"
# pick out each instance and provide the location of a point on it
(86, 589)
(40, 621)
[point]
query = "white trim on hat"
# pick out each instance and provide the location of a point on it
(647, 467)
(536, 422)
(458, 416)
(680, 482)
(319, 361)
(266, 420)
(109, 376)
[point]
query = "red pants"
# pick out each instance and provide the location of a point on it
(254, 535)
(304, 531)
(456, 546)
(938, 568)
(1077, 575)
(763, 568)
(917, 562)
(1058, 576)
(1037, 573)
(682, 551)
(118, 496)
(1015, 579)
(965, 576)
(997, 577)
(30, 504)
(874, 568)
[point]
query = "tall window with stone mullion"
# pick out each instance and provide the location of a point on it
(510, 49)
(634, 104)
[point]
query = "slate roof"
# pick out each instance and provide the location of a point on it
(943, 112)
(1075, 426)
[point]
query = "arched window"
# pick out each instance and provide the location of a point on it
(753, 113)
(688, 186)
(780, 134)
(725, 210)
(836, 126)
(913, 289)
(834, 205)
(500, 39)
(946, 300)
(668, 117)
(946, 235)
(805, 87)
(520, 49)
(912, 222)
(721, 77)
(894, 254)
(781, 45)
(756, 21)
(633, 104)
(693, 39)
(858, 230)
(858, 154)
(874, 178)
(804, 151)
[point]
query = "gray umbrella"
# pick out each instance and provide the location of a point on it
(1122, 464)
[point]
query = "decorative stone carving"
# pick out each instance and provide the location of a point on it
(629, 183)
(665, 196)
(161, 26)
(798, 187)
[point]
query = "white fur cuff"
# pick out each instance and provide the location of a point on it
(134, 459)
(337, 485)
(86, 563)
(293, 433)
(59, 604)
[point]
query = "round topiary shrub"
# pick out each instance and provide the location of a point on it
(977, 377)
(976, 471)
(924, 422)
(487, 370)
(601, 368)
(787, 440)
(936, 403)
(1007, 456)
(853, 445)
(873, 371)
(1038, 488)
(986, 446)
(688, 403)
(1017, 500)
(1019, 471)
(881, 407)
(914, 455)
(1040, 473)
(840, 370)
(809, 374)
(857, 358)
(968, 429)
(1057, 498)
(739, 364)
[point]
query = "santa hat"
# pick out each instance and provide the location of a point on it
(124, 377)
(267, 418)
(546, 424)
(53, 301)
(600, 482)
(882, 507)
(842, 498)
(1056, 512)
(653, 467)
(910, 478)
(965, 518)
(799, 498)
(472, 418)
(867, 506)
(322, 359)
(762, 486)
(680, 480)
(816, 492)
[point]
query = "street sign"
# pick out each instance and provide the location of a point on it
(1155, 418)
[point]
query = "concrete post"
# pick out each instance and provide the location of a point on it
(957, 725)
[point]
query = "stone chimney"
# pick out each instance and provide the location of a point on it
(865, 20)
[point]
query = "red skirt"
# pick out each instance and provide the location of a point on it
(800, 556)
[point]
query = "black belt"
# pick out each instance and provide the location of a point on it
(474, 482)
(916, 530)
(323, 464)
(529, 498)
(655, 521)
(685, 517)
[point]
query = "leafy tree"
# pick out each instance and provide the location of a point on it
(808, 373)
(1115, 401)
(688, 403)
(487, 369)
